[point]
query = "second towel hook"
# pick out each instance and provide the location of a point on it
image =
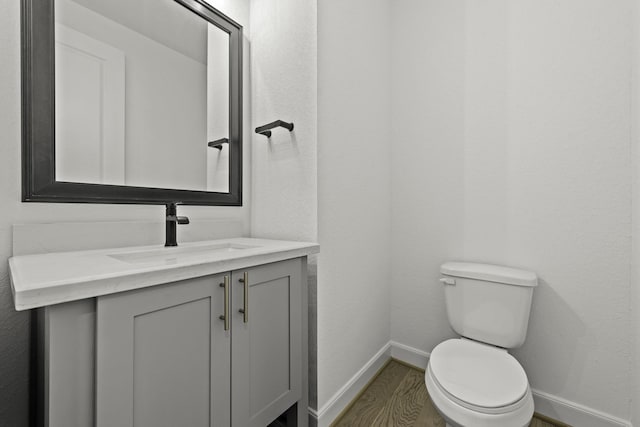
(218, 143)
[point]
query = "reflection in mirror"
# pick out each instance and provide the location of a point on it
(141, 88)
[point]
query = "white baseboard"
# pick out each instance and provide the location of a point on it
(573, 413)
(546, 404)
(330, 410)
(409, 355)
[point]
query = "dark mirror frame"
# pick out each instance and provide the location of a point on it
(38, 120)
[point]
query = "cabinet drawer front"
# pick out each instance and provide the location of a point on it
(162, 356)
(267, 348)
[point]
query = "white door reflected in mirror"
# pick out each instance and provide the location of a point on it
(141, 88)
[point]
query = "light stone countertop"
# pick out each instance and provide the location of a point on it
(54, 278)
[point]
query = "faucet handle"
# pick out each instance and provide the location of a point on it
(173, 216)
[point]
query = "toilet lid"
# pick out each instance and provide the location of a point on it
(478, 374)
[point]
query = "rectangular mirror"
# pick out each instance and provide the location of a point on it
(131, 101)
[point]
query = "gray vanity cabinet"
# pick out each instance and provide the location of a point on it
(164, 358)
(266, 346)
(211, 334)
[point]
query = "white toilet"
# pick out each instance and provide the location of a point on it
(473, 381)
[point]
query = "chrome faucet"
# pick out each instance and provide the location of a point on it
(171, 224)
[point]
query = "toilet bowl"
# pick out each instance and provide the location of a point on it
(473, 381)
(474, 384)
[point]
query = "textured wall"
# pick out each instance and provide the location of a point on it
(635, 284)
(354, 214)
(511, 128)
(283, 86)
(14, 354)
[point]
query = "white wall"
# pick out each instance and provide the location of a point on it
(427, 163)
(635, 271)
(354, 144)
(512, 124)
(14, 327)
(217, 108)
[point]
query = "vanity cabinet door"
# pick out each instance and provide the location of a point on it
(267, 342)
(163, 356)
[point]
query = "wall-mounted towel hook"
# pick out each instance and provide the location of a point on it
(218, 143)
(266, 129)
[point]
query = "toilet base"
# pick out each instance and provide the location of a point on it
(451, 425)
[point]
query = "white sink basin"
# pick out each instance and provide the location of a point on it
(173, 254)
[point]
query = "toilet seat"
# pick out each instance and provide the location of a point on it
(455, 415)
(461, 400)
(475, 408)
(478, 376)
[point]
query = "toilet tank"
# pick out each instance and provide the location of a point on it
(488, 303)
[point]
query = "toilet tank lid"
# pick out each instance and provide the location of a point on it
(490, 273)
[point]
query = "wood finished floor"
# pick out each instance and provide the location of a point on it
(397, 397)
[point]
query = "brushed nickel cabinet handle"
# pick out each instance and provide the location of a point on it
(245, 310)
(226, 316)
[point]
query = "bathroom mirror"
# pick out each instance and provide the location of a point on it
(131, 101)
